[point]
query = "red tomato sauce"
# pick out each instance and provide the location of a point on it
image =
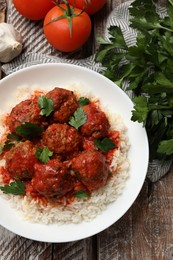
(5, 175)
(75, 167)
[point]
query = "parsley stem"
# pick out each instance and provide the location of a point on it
(165, 28)
(157, 107)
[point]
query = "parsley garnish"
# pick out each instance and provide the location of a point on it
(110, 174)
(83, 101)
(104, 145)
(15, 188)
(43, 154)
(166, 147)
(147, 66)
(81, 194)
(1, 148)
(78, 176)
(46, 105)
(12, 140)
(78, 119)
(29, 130)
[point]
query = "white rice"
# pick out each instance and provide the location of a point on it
(81, 209)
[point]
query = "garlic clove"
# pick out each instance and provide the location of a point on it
(10, 42)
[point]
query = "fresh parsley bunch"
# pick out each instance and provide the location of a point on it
(148, 67)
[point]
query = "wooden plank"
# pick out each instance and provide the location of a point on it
(17, 248)
(146, 230)
(82, 249)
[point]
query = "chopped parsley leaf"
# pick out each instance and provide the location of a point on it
(15, 188)
(29, 130)
(78, 119)
(43, 154)
(83, 101)
(46, 105)
(12, 140)
(81, 194)
(104, 145)
(1, 148)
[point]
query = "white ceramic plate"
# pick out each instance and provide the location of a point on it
(47, 75)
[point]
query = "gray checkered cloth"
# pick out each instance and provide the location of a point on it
(36, 51)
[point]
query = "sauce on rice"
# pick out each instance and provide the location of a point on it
(87, 194)
(77, 166)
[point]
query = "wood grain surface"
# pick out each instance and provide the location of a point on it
(145, 232)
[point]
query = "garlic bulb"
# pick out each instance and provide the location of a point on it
(10, 42)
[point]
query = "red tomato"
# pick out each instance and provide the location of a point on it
(58, 32)
(91, 6)
(33, 9)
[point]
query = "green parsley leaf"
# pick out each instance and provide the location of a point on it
(29, 130)
(145, 68)
(12, 140)
(141, 109)
(78, 119)
(165, 147)
(46, 105)
(43, 154)
(1, 148)
(104, 145)
(110, 174)
(78, 176)
(15, 188)
(81, 194)
(83, 101)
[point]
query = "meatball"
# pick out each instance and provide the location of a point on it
(91, 168)
(20, 161)
(25, 111)
(65, 104)
(97, 124)
(61, 138)
(52, 179)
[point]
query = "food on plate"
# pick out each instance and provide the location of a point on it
(34, 9)
(56, 170)
(92, 169)
(20, 161)
(64, 103)
(90, 6)
(97, 124)
(26, 111)
(52, 179)
(67, 29)
(62, 138)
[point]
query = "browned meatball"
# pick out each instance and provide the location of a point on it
(64, 102)
(61, 138)
(97, 124)
(52, 179)
(20, 161)
(91, 169)
(25, 111)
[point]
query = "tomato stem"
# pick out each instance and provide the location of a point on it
(69, 10)
(67, 13)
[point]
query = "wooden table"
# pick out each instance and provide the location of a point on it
(144, 232)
